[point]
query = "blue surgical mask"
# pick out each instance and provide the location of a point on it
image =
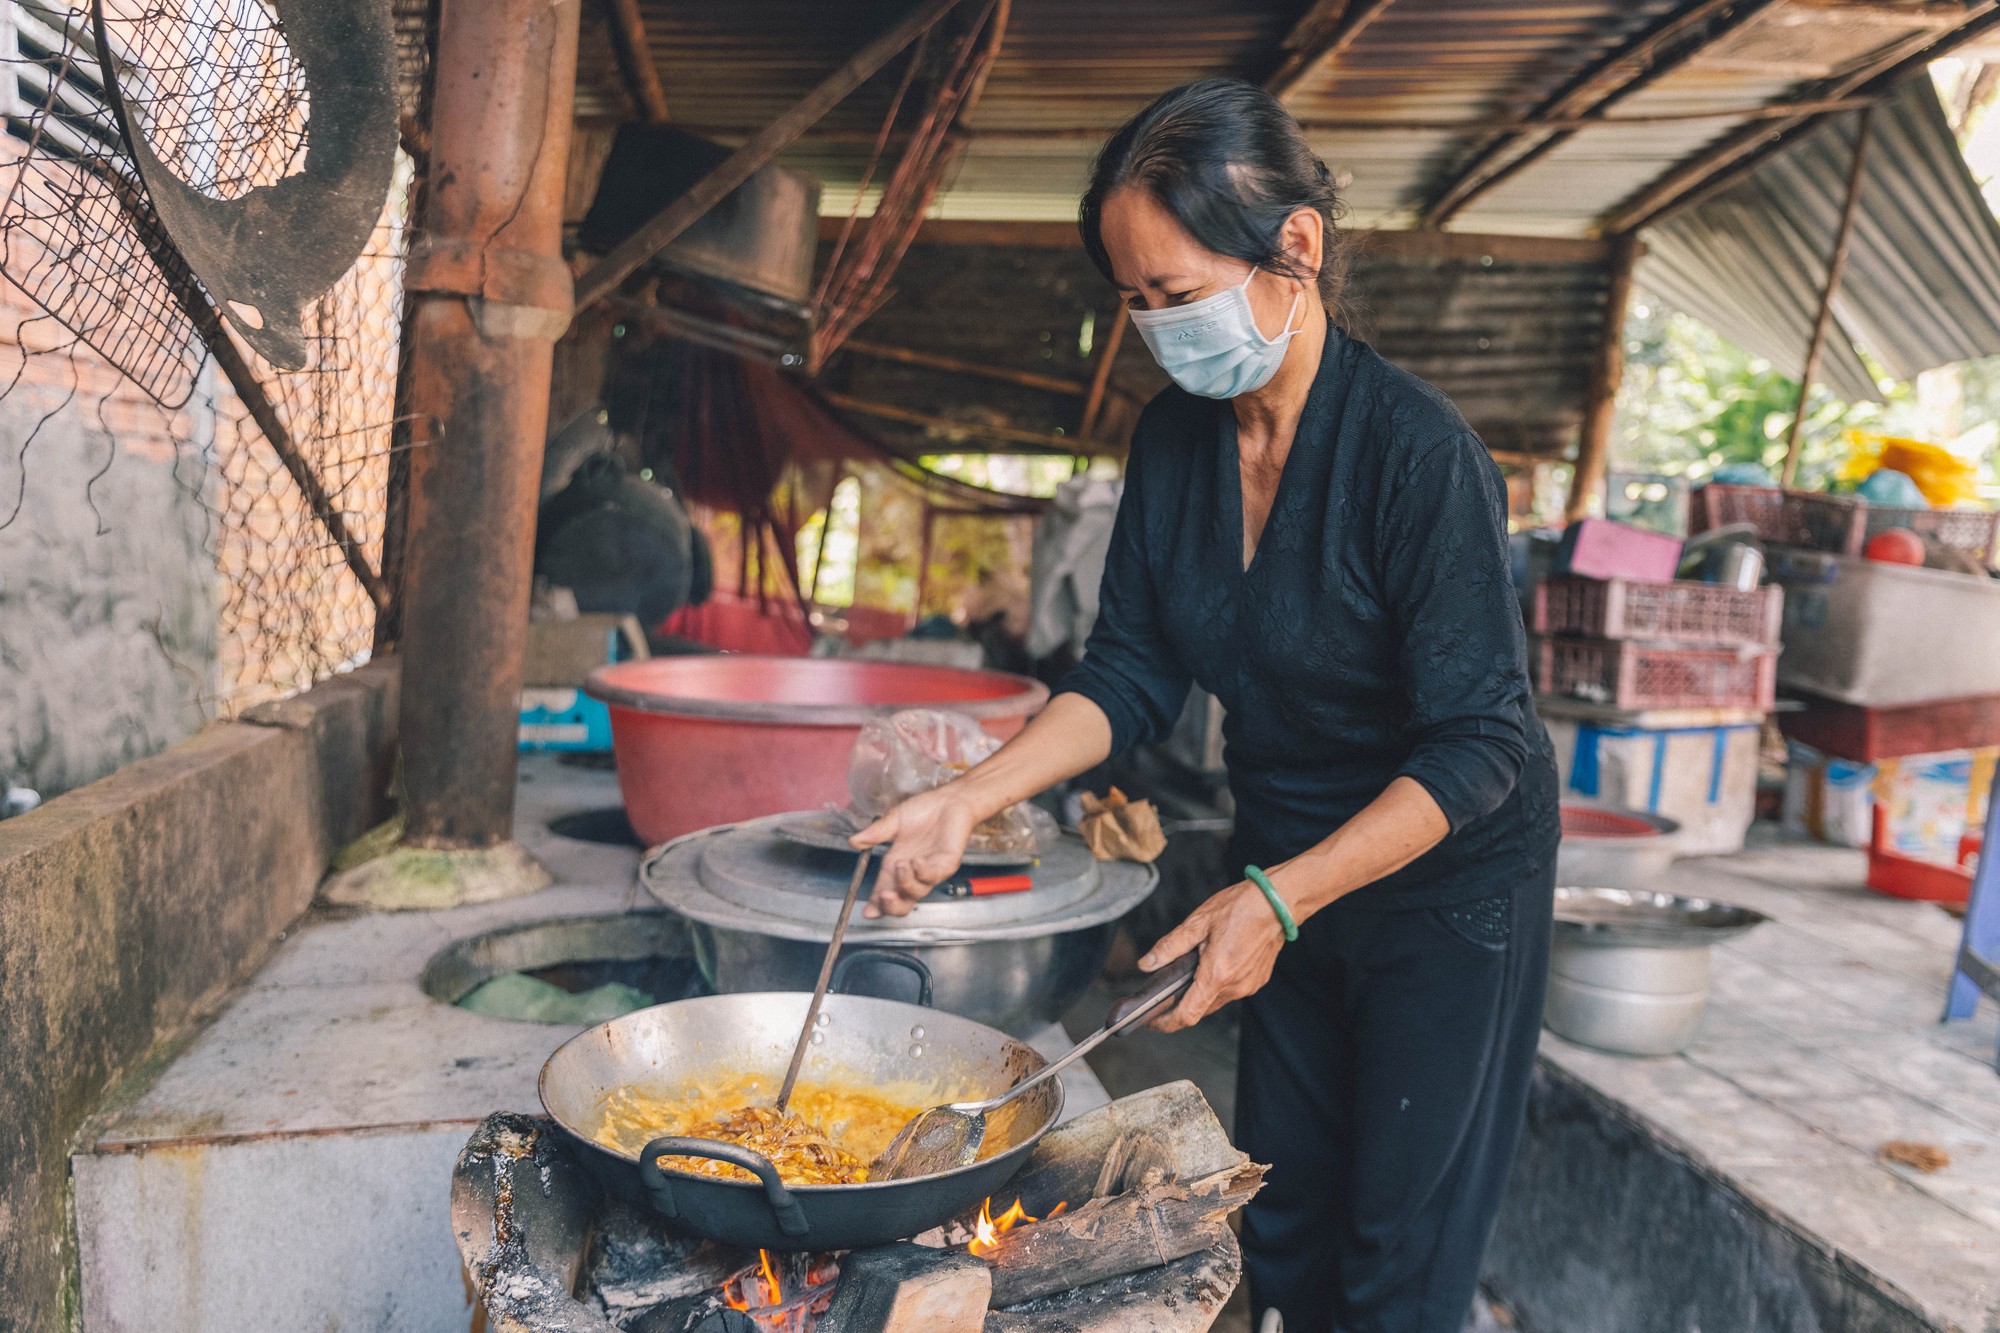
(1212, 347)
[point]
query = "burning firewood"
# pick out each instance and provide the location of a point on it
(1157, 1223)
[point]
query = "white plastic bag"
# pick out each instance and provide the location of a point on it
(920, 748)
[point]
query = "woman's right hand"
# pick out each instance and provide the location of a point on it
(929, 831)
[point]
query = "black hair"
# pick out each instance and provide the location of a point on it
(1230, 164)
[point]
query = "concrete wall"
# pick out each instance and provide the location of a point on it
(108, 597)
(1607, 1228)
(130, 906)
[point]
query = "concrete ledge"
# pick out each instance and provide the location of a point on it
(1740, 1184)
(1611, 1227)
(130, 906)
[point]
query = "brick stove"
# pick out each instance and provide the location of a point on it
(1117, 1223)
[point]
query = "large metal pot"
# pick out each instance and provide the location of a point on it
(763, 909)
(924, 1056)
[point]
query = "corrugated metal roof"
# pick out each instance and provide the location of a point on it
(1073, 70)
(1922, 287)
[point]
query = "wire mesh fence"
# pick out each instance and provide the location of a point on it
(102, 321)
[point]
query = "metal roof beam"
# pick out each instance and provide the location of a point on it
(1723, 163)
(1326, 29)
(1649, 54)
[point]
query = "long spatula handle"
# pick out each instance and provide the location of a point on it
(825, 975)
(1161, 987)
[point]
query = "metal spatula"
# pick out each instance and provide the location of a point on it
(825, 975)
(950, 1136)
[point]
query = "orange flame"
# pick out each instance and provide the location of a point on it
(771, 1290)
(988, 1230)
(774, 1291)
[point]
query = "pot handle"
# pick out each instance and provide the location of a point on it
(895, 957)
(791, 1218)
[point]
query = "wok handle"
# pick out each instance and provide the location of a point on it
(895, 957)
(791, 1218)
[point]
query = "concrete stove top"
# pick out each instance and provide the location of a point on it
(290, 1166)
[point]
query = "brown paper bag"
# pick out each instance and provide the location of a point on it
(1118, 828)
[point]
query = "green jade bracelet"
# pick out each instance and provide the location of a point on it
(1263, 881)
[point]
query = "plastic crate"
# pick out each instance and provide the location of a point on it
(1670, 613)
(1629, 675)
(1973, 531)
(1837, 523)
(1841, 524)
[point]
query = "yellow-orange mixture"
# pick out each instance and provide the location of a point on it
(829, 1137)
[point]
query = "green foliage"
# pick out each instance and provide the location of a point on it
(1692, 402)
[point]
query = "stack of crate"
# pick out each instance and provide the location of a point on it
(1655, 693)
(1637, 645)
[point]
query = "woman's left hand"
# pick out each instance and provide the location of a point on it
(1239, 937)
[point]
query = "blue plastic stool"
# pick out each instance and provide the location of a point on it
(1979, 953)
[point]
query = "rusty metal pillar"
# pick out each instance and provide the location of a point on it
(491, 294)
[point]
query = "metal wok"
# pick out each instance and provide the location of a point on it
(904, 1052)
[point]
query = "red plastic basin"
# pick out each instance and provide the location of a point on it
(702, 741)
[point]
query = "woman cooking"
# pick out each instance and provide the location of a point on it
(1318, 539)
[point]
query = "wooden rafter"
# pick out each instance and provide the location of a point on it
(1607, 369)
(1723, 163)
(908, 356)
(1328, 28)
(1637, 62)
(1100, 379)
(1358, 125)
(636, 69)
(1836, 267)
(661, 230)
(1020, 441)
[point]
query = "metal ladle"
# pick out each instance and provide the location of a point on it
(949, 1136)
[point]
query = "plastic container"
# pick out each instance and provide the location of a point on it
(1659, 612)
(1617, 848)
(1703, 778)
(1864, 735)
(1599, 548)
(702, 741)
(1881, 635)
(1638, 676)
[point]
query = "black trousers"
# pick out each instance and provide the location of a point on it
(1384, 1077)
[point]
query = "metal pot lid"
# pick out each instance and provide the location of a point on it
(748, 877)
(1652, 920)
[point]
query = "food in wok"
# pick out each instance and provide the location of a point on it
(829, 1136)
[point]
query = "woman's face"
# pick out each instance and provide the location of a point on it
(1157, 264)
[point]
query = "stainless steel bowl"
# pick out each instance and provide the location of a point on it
(1649, 920)
(1629, 969)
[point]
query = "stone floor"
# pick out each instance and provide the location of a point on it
(1821, 1043)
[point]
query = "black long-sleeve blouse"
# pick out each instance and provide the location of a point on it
(1374, 634)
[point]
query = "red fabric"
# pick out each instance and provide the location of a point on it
(739, 625)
